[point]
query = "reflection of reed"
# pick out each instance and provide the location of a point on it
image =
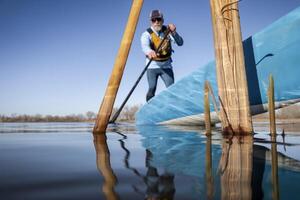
(208, 171)
(275, 188)
(236, 167)
(104, 167)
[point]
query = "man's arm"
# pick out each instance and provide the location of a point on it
(177, 38)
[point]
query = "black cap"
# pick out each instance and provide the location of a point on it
(156, 14)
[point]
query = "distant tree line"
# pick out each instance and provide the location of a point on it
(127, 114)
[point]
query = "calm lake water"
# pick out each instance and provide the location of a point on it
(65, 161)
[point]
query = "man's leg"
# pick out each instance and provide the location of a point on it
(167, 76)
(152, 75)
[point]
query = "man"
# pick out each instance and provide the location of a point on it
(162, 61)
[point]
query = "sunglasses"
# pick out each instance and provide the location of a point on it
(156, 19)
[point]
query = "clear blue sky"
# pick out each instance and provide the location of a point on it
(56, 56)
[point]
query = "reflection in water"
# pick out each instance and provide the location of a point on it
(157, 186)
(104, 167)
(243, 166)
(208, 169)
(154, 162)
(259, 163)
(275, 185)
(127, 155)
(236, 167)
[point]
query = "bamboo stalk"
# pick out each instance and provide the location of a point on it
(231, 74)
(213, 99)
(207, 109)
(117, 73)
(271, 106)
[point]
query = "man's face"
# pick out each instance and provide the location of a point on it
(157, 23)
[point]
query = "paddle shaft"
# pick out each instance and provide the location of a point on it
(116, 115)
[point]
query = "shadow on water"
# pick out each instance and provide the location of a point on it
(189, 165)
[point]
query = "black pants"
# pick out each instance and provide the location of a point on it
(166, 75)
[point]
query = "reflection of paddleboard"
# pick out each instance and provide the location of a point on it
(275, 50)
(175, 150)
(184, 154)
(179, 152)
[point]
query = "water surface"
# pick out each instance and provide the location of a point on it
(65, 161)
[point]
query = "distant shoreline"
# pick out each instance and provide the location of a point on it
(47, 118)
(254, 119)
(127, 115)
